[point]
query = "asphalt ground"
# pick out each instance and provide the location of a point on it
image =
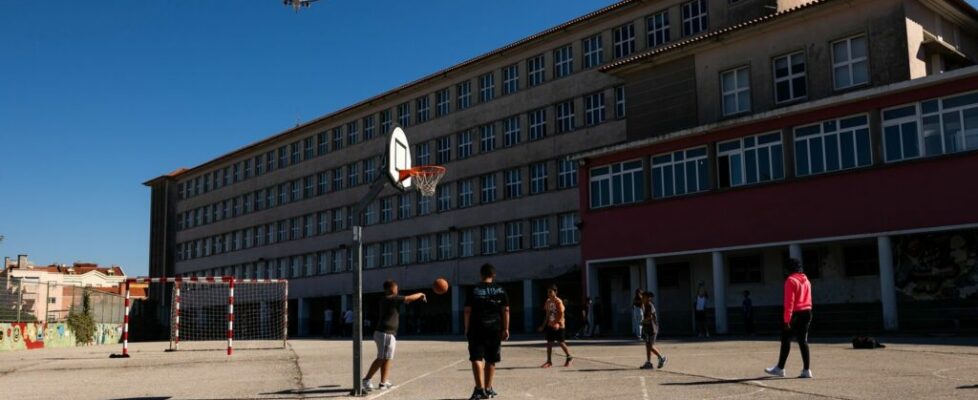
(924, 368)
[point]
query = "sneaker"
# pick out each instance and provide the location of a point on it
(806, 374)
(662, 362)
(647, 365)
(491, 393)
(779, 372)
(385, 385)
(367, 385)
(479, 394)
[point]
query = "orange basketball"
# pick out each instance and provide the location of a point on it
(440, 286)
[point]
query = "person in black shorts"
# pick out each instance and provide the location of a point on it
(554, 326)
(384, 336)
(650, 331)
(486, 326)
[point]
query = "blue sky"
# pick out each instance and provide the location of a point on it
(98, 97)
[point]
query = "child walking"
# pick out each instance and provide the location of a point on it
(554, 326)
(650, 331)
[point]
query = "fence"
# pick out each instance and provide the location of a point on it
(27, 300)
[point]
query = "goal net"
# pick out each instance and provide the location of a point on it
(221, 313)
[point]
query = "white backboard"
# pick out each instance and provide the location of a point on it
(398, 158)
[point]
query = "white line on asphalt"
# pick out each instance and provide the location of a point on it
(645, 390)
(416, 378)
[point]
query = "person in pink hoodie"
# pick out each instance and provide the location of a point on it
(797, 318)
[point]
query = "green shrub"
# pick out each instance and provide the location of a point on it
(81, 323)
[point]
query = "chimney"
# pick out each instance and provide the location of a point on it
(22, 261)
(6, 262)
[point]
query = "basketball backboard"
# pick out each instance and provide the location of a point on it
(398, 158)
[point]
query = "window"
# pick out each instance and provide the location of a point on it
(514, 236)
(352, 175)
(423, 106)
(281, 237)
(593, 52)
(247, 163)
(466, 243)
(565, 116)
(404, 114)
(511, 131)
(619, 183)
(832, 145)
(488, 188)
(624, 38)
(932, 127)
(308, 190)
(283, 193)
(338, 138)
(443, 150)
(861, 260)
(464, 145)
(322, 143)
(694, 17)
(404, 206)
(750, 160)
(657, 26)
(487, 87)
(424, 204)
(322, 222)
(293, 195)
(568, 229)
(338, 219)
(594, 109)
(351, 133)
(566, 173)
(338, 179)
(424, 249)
(443, 102)
(620, 102)
(444, 246)
(514, 183)
(296, 231)
(322, 263)
(465, 193)
(404, 251)
(735, 90)
(850, 65)
(308, 149)
(535, 71)
(790, 82)
(678, 173)
(563, 61)
(385, 122)
(387, 254)
(511, 79)
(444, 195)
(541, 233)
(489, 239)
(259, 165)
(370, 214)
(745, 269)
(487, 138)
(538, 178)
(368, 127)
(538, 124)
(296, 157)
(422, 153)
(386, 209)
(322, 183)
(338, 257)
(270, 161)
(464, 92)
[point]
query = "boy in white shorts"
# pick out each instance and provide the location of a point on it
(384, 336)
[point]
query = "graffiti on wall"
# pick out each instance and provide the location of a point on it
(39, 335)
(938, 266)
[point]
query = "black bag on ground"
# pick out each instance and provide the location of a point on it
(866, 342)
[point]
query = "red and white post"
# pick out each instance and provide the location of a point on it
(125, 328)
(176, 318)
(230, 314)
(285, 320)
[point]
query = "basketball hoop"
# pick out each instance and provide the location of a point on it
(425, 177)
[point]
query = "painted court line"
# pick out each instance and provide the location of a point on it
(414, 379)
(645, 390)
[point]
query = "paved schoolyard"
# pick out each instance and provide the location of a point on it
(435, 370)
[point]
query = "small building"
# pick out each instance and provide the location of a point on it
(49, 291)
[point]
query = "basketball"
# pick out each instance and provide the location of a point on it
(440, 286)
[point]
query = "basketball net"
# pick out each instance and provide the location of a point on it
(425, 177)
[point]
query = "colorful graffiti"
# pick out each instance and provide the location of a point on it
(39, 335)
(940, 266)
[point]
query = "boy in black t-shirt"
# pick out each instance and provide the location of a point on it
(486, 326)
(390, 306)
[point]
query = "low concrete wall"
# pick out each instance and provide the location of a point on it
(39, 335)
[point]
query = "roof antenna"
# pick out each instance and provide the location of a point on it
(297, 118)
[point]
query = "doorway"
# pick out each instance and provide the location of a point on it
(674, 304)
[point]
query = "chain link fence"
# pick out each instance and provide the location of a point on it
(27, 300)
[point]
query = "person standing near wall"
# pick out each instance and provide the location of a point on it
(637, 316)
(585, 330)
(328, 322)
(797, 318)
(348, 322)
(702, 299)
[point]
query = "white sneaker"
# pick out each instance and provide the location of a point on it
(367, 385)
(775, 371)
(806, 374)
(385, 385)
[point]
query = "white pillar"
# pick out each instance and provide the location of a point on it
(720, 292)
(528, 307)
(303, 317)
(456, 310)
(652, 278)
(794, 251)
(887, 283)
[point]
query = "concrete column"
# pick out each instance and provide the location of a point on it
(528, 306)
(652, 278)
(887, 283)
(303, 315)
(720, 292)
(591, 280)
(794, 251)
(456, 310)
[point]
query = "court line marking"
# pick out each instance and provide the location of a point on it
(422, 376)
(940, 373)
(645, 390)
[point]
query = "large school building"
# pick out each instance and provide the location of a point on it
(512, 127)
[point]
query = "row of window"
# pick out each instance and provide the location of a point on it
(694, 20)
(535, 233)
(857, 260)
(928, 128)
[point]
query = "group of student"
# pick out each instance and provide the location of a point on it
(486, 323)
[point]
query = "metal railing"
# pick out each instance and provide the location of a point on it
(27, 300)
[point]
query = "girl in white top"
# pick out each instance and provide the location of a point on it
(701, 301)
